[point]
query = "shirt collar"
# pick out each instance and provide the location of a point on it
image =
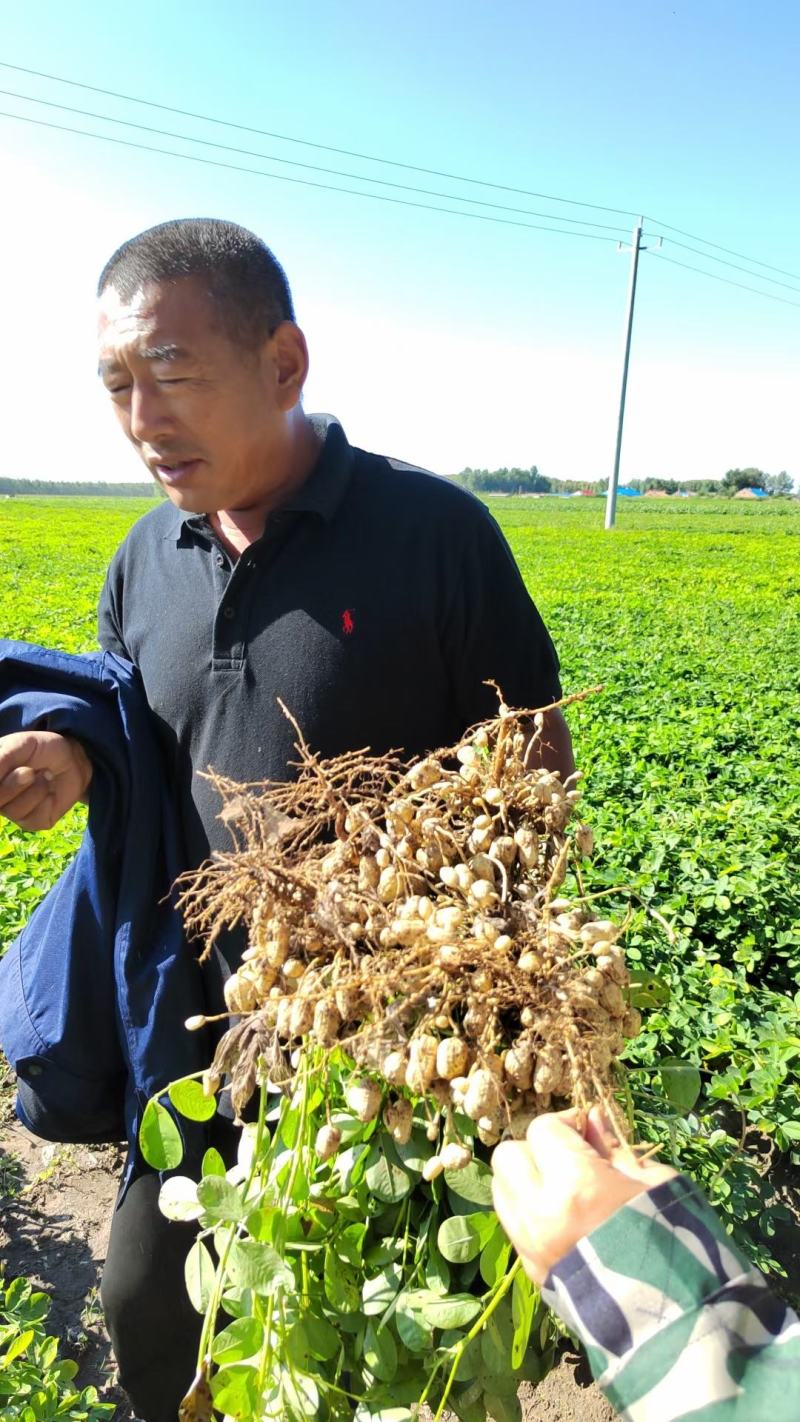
(322, 492)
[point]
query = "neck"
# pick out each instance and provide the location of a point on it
(239, 527)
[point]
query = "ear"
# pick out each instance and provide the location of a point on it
(288, 355)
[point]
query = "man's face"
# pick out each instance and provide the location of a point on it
(207, 417)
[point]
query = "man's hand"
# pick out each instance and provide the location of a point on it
(553, 747)
(42, 775)
(557, 1186)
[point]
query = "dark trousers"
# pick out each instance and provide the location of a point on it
(154, 1331)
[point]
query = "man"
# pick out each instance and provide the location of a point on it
(375, 601)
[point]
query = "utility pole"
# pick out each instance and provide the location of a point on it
(635, 248)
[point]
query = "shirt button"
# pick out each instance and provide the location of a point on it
(228, 612)
(220, 561)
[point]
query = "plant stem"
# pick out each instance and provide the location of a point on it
(219, 1279)
(504, 1286)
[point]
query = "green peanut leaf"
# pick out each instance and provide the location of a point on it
(470, 1363)
(524, 1298)
(504, 1407)
(494, 1257)
(472, 1184)
(200, 1273)
(300, 1396)
(366, 1413)
(189, 1098)
(257, 1266)
(385, 1174)
(437, 1270)
(380, 1352)
(221, 1201)
(323, 1340)
(241, 1339)
(213, 1164)
(20, 1345)
(462, 1237)
(454, 1311)
(341, 1283)
(682, 1083)
(349, 1243)
(177, 1199)
(159, 1138)
(646, 990)
(497, 1340)
(235, 1390)
(379, 1292)
(413, 1329)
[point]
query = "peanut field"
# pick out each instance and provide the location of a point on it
(688, 616)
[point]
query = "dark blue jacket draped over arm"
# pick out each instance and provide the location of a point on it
(95, 991)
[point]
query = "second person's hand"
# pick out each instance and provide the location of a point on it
(558, 1185)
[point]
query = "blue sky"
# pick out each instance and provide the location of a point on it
(443, 340)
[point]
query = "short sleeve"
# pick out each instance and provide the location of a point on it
(493, 631)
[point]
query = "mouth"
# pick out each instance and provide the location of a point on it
(175, 471)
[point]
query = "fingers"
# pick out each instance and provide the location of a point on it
(16, 751)
(42, 775)
(601, 1135)
(15, 782)
(644, 1174)
(515, 1188)
(34, 807)
(24, 787)
(22, 792)
(555, 1140)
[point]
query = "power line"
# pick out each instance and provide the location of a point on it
(309, 167)
(390, 162)
(713, 276)
(375, 197)
(323, 147)
(351, 192)
(755, 260)
(305, 182)
(708, 257)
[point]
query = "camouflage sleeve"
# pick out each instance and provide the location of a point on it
(675, 1321)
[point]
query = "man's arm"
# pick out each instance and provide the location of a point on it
(493, 635)
(553, 747)
(109, 630)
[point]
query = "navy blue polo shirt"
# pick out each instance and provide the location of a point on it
(376, 604)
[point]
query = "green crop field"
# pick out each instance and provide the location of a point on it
(689, 617)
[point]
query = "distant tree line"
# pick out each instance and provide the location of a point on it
(80, 486)
(479, 481)
(530, 481)
(736, 479)
(504, 481)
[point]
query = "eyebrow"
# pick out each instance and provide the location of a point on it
(167, 352)
(170, 351)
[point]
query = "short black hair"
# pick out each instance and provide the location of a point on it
(243, 278)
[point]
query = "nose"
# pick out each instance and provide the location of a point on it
(149, 417)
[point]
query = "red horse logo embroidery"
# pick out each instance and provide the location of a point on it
(348, 625)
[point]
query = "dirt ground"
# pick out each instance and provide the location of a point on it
(55, 1207)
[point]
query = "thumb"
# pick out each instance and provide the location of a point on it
(515, 1191)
